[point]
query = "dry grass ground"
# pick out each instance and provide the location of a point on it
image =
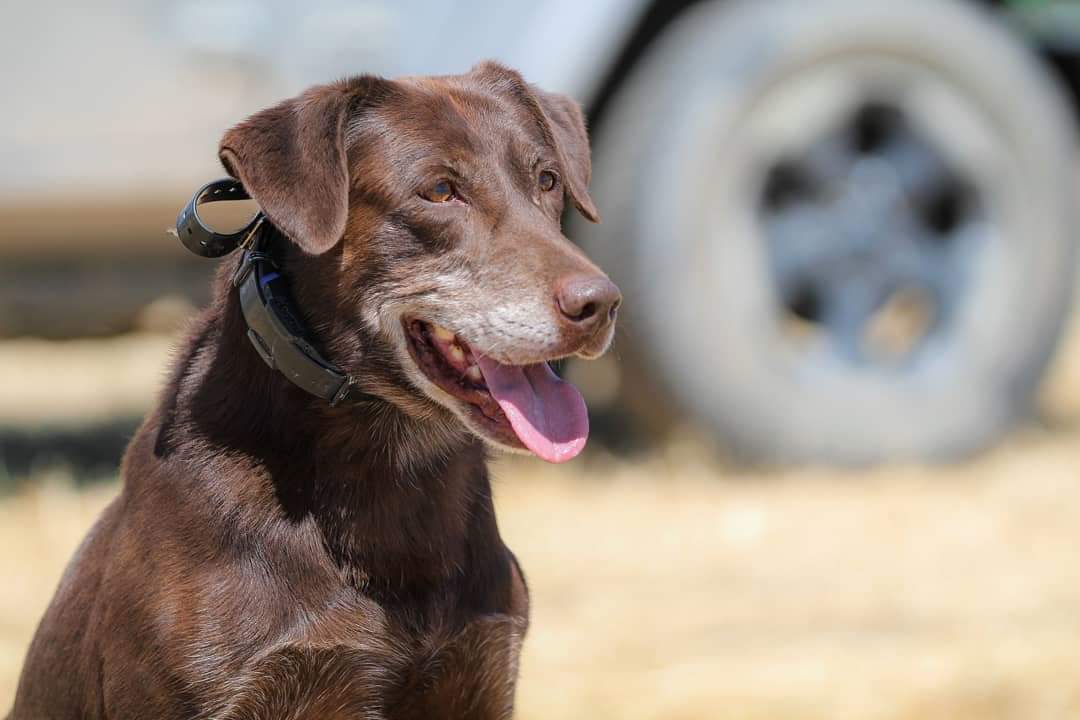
(674, 588)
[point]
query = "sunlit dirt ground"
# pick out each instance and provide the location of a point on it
(676, 587)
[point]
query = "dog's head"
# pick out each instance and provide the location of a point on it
(425, 214)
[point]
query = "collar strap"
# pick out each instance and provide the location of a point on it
(274, 325)
(202, 240)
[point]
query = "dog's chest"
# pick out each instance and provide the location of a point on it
(469, 674)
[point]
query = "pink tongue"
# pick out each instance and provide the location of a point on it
(547, 414)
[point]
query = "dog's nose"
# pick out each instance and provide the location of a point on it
(588, 300)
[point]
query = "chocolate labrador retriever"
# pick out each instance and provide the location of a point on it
(275, 556)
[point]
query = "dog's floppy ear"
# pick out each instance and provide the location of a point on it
(563, 124)
(292, 160)
(567, 123)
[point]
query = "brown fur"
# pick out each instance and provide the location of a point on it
(272, 557)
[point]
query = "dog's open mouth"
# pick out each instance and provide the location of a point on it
(525, 406)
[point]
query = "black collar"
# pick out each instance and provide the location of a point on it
(274, 324)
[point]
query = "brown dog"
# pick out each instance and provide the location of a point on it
(271, 556)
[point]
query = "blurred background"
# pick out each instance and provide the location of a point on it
(835, 470)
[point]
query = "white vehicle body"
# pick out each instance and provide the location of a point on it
(127, 99)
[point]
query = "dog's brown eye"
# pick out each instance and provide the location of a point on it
(440, 192)
(547, 180)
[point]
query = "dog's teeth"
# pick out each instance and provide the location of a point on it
(457, 354)
(442, 333)
(474, 374)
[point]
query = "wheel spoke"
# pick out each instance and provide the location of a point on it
(804, 246)
(922, 171)
(828, 163)
(849, 305)
(921, 263)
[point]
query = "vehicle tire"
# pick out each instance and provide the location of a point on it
(774, 175)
